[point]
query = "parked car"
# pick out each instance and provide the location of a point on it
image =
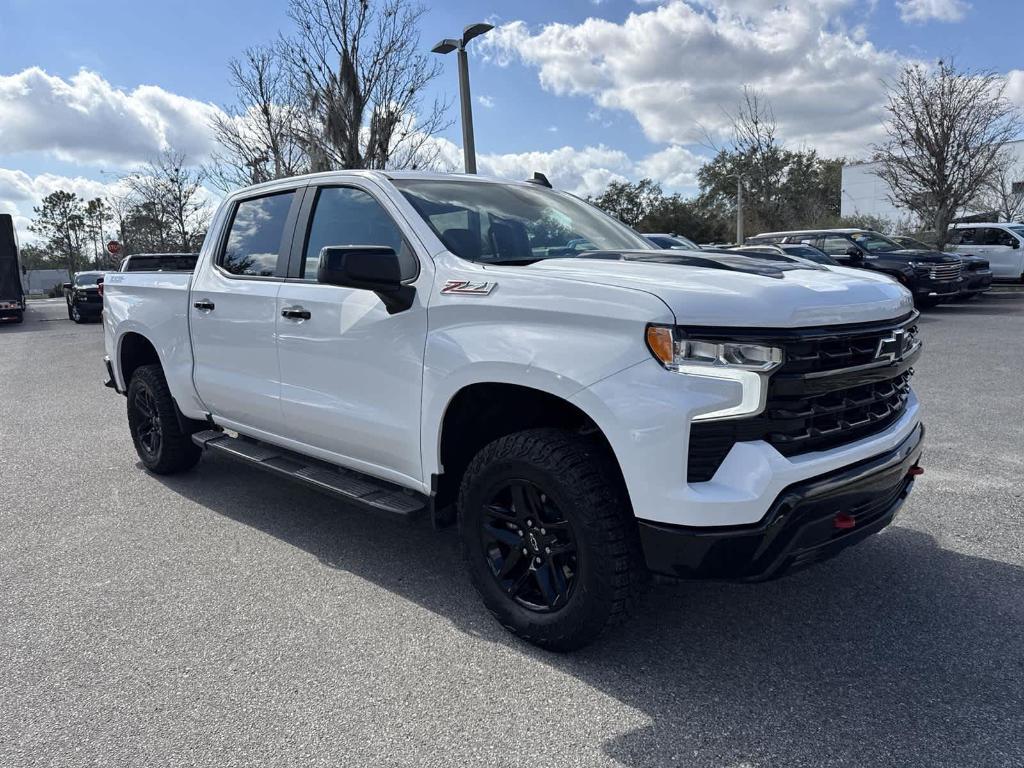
(929, 275)
(789, 251)
(12, 296)
(84, 300)
(675, 241)
(159, 262)
(1000, 243)
(976, 275)
(421, 343)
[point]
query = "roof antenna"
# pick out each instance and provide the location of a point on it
(539, 178)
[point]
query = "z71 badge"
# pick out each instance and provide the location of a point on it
(468, 287)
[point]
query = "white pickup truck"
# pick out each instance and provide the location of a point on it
(589, 409)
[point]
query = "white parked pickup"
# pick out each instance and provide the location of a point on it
(588, 408)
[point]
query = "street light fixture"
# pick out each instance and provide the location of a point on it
(447, 46)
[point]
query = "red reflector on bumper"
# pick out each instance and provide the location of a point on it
(844, 522)
(915, 471)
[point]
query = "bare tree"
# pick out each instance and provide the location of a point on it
(359, 67)
(121, 206)
(1004, 192)
(946, 130)
(171, 191)
(258, 136)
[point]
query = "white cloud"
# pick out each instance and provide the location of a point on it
(485, 101)
(920, 11)
(588, 171)
(678, 67)
(85, 119)
(584, 171)
(675, 167)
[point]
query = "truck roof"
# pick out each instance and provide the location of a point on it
(839, 231)
(378, 176)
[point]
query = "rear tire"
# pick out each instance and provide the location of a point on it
(74, 313)
(153, 420)
(555, 496)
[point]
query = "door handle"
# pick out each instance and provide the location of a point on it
(296, 313)
(204, 304)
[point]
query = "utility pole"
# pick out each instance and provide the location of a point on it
(447, 46)
(739, 210)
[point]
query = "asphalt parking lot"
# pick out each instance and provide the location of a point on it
(222, 618)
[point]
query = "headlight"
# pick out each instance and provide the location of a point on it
(740, 362)
(675, 352)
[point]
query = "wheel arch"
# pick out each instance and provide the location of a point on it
(483, 411)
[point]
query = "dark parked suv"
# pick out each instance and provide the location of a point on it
(930, 275)
(976, 277)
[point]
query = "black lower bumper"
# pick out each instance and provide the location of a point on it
(808, 522)
(976, 284)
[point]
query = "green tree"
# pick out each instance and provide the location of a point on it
(60, 223)
(630, 202)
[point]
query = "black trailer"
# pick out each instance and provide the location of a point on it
(12, 296)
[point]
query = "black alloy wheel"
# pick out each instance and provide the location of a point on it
(530, 546)
(549, 538)
(163, 445)
(148, 429)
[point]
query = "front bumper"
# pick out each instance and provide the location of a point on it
(809, 521)
(976, 282)
(928, 287)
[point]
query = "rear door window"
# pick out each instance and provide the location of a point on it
(835, 246)
(256, 237)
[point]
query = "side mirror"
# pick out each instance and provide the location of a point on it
(855, 254)
(369, 268)
(1016, 244)
(66, 286)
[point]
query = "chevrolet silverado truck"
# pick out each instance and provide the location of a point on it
(439, 344)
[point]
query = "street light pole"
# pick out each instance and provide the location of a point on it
(739, 210)
(447, 46)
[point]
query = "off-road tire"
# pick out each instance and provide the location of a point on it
(175, 452)
(579, 476)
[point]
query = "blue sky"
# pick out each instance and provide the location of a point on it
(591, 100)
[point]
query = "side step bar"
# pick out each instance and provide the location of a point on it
(346, 484)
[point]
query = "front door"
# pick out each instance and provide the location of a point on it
(1001, 249)
(233, 315)
(352, 374)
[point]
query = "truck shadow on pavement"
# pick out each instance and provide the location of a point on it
(898, 652)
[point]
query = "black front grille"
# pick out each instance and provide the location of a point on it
(829, 391)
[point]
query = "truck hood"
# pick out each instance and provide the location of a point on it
(720, 290)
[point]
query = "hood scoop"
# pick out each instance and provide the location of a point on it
(723, 261)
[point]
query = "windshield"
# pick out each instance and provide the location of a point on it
(87, 279)
(810, 253)
(872, 242)
(510, 223)
(673, 241)
(1019, 231)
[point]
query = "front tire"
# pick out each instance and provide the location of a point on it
(75, 313)
(153, 420)
(549, 538)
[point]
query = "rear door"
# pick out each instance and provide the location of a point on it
(233, 313)
(352, 374)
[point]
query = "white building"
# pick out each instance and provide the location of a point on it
(864, 194)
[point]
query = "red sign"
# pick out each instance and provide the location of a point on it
(113, 247)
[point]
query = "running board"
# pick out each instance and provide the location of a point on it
(351, 486)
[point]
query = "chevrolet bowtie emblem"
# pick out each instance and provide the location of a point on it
(890, 348)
